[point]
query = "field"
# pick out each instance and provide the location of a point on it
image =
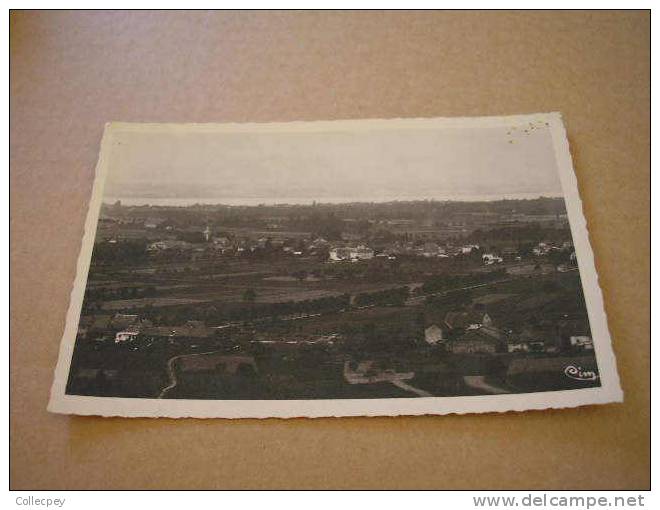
(264, 312)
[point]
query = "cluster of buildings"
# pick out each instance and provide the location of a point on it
(542, 249)
(124, 328)
(133, 330)
(344, 251)
(427, 249)
(470, 331)
(473, 332)
(196, 240)
(351, 253)
(434, 250)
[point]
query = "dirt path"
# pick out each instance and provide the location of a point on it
(172, 373)
(479, 382)
(416, 300)
(407, 387)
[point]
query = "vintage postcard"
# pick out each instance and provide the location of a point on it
(341, 268)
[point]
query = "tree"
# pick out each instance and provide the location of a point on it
(249, 296)
(461, 298)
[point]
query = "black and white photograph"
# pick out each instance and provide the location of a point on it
(343, 249)
(330, 268)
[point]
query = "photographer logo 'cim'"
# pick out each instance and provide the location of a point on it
(579, 374)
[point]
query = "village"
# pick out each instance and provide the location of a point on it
(350, 301)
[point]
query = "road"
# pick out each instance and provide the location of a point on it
(418, 300)
(172, 372)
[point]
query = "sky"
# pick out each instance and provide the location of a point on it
(286, 167)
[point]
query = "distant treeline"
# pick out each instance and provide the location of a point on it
(328, 218)
(525, 236)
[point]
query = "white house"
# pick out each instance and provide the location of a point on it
(432, 250)
(169, 244)
(351, 253)
(434, 335)
(585, 342)
(466, 250)
(517, 347)
(362, 253)
(125, 336)
(490, 258)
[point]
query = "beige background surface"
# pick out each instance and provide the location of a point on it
(72, 72)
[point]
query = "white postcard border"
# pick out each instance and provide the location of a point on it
(609, 391)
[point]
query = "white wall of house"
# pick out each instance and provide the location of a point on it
(433, 335)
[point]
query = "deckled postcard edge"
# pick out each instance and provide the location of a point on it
(609, 392)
